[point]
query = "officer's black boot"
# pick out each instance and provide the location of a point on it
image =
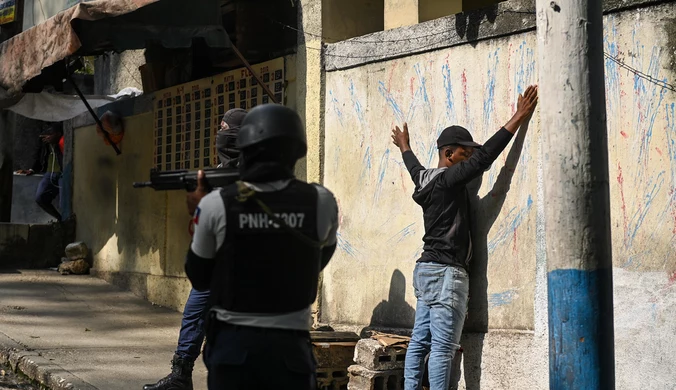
(179, 379)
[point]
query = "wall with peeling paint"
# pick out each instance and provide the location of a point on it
(476, 85)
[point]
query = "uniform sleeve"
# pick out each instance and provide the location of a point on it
(209, 222)
(327, 222)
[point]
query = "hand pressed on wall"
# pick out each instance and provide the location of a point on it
(401, 138)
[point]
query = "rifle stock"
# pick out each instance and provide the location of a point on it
(187, 180)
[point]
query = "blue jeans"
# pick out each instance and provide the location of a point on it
(191, 337)
(48, 190)
(442, 292)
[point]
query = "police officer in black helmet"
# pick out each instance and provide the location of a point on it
(260, 245)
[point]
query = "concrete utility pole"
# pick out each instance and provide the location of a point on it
(577, 216)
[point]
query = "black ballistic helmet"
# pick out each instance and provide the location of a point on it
(269, 122)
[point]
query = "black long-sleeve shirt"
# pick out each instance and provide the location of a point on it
(442, 194)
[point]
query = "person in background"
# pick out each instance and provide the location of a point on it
(48, 160)
(191, 335)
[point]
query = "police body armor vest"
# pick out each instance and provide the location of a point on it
(261, 267)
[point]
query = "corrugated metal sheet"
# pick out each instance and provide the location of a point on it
(107, 25)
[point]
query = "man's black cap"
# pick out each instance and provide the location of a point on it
(234, 117)
(456, 135)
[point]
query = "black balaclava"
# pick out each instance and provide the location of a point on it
(226, 140)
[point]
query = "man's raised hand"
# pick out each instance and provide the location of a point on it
(401, 138)
(525, 108)
(527, 102)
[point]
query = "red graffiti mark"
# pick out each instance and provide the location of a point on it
(389, 81)
(623, 94)
(658, 151)
(624, 134)
(464, 86)
(412, 81)
(672, 278)
(340, 212)
(514, 250)
(620, 180)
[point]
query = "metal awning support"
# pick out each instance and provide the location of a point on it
(93, 114)
(253, 72)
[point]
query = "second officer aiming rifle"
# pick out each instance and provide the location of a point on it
(187, 180)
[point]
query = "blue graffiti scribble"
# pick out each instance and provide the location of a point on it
(346, 246)
(645, 101)
(366, 164)
(525, 70)
(489, 98)
(336, 107)
(640, 214)
(523, 76)
(448, 87)
(418, 252)
(391, 101)
(612, 69)
(671, 141)
(513, 220)
(671, 150)
(634, 261)
(357, 105)
(502, 298)
(403, 233)
(423, 87)
(381, 174)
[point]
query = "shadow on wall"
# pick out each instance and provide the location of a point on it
(484, 212)
(468, 24)
(395, 312)
(103, 188)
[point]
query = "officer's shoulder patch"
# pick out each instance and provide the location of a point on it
(196, 218)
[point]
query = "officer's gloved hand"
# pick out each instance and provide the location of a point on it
(193, 198)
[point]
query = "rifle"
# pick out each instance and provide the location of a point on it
(187, 180)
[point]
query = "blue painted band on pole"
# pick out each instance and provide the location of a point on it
(581, 349)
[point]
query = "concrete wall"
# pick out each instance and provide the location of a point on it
(310, 87)
(128, 229)
(116, 71)
(400, 13)
(369, 280)
(347, 19)
(32, 246)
